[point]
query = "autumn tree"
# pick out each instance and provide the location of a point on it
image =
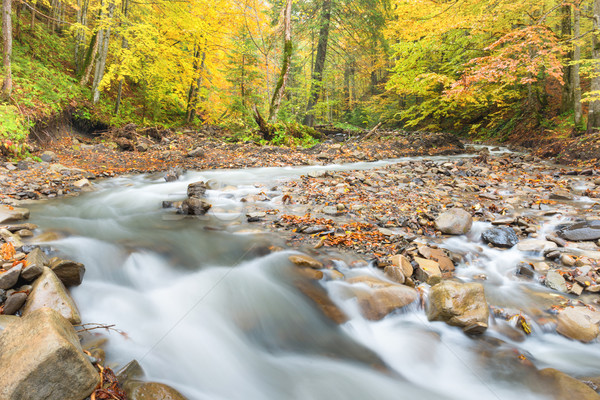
(7, 48)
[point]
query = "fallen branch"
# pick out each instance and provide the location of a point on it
(372, 131)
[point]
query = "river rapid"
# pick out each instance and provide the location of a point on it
(208, 310)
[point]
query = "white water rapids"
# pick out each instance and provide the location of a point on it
(206, 313)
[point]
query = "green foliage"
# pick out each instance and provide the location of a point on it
(14, 128)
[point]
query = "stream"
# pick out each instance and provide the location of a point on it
(207, 309)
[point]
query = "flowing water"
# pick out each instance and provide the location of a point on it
(207, 312)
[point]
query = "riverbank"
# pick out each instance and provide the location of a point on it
(402, 217)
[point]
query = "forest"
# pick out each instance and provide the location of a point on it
(481, 68)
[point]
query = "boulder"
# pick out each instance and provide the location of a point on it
(9, 237)
(195, 206)
(302, 260)
(137, 390)
(579, 323)
(454, 222)
(438, 255)
(9, 278)
(459, 304)
(583, 231)
(11, 214)
(554, 280)
(5, 320)
(535, 245)
(402, 262)
(40, 358)
(48, 291)
(69, 272)
(428, 271)
(36, 261)
(196, 189)
(380, 298)
(502, 236)
(394, 273)
(562, 386)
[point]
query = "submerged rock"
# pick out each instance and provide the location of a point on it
(562, 386)
(459, 304)
(454, 222)
(40, 358)
(303, 260)
(380, 298)
(554, 280)
(503, 236)
(195, 206)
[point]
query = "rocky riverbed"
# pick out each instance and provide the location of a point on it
(426, 226)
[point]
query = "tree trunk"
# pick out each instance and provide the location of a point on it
(32, 24)
(285, 65)
(317, 77)
(124, 45)
(103, 42)
(575, 80)
(89, 58)
(567, 93)
(7, 49)
(195, 85)
(594, 108)
(80, 37)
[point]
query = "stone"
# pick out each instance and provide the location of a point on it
(195, 206)
(321, 299)
(9, 278)
(48, 291)
(196, 189)
(579, 323)
(36, 261)
(173, 174)
(14, 303)
(454, 222)
(535, 245)
(311, 230)
(330, 210)
(525, 269)
(40, 358)
(69, 272)
(9, 237)
(438, 255)
(564, 387)
(309, 273)
(502, 236)
(132, 371)
(576, 289)
(394, 273)
(18, 227)
(579, 232)
(82, 183)
(151, 391)
(568, 260)
(428, 271)
(6, 320)
(554, 280)
(380, 298)
(197, 152)
(302, 260)
(402, 262)
(459, 304)
(561, 195)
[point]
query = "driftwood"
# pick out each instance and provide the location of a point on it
(372, 131)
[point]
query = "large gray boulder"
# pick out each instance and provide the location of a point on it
(456, 221)
(459, 304)
(502, 236)
(40, 358)
(48, 291)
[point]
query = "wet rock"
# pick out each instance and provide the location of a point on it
(196, 153)
(82, 183)
(584, 231)
(195, 206)
(132, 371)
(568, 260)
(456, 221)
(5, 320)
(196, 189)
(40, 358)
(320, 298)
(69, 272)
(402, 262)
(9, 278)
(36, 261)
(19, 227)
(151, 391)
(561, 195)
(444, 262)
(14, 303)
(380, 298)
(579, 323)
(562, 386)
(428, 271)
(173, 174)
(311, 230)
(525, 269)
(302, 260)
(554, 280)
(330, 210)
(309, 273)
(535, 245)
(394, 273)
(503, 236)
(9, 237)
(48, 291)
(459, 304)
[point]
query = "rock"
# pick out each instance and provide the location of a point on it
(402, 262)
(330, 210)
(459, 304)
(196, 189)
(380, 298)
(151, 391)
(197, 152)
(568, 260)
(503, 236)
(563, 387)
(561, 195)
(576, 289)
(302, 260)
(309, 273)
(48, 291)
(14, 303)
(195, 206)
(583, 231)
(541, 267)
(428, 271)
(49, 156)
(525, 270)
(579, 323)
(36, 261)
(438, 255)
(454, 222)
(317, 174)
(9, 278)
(18, 227)
(132, 371)
(82, 183)
(394, 273)
(40, 358)
(173, 174)
(554, 280)
(5, 320)
(311, 230)
(535, 245)
(321, 299)
(69, 272)
(10, 238)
